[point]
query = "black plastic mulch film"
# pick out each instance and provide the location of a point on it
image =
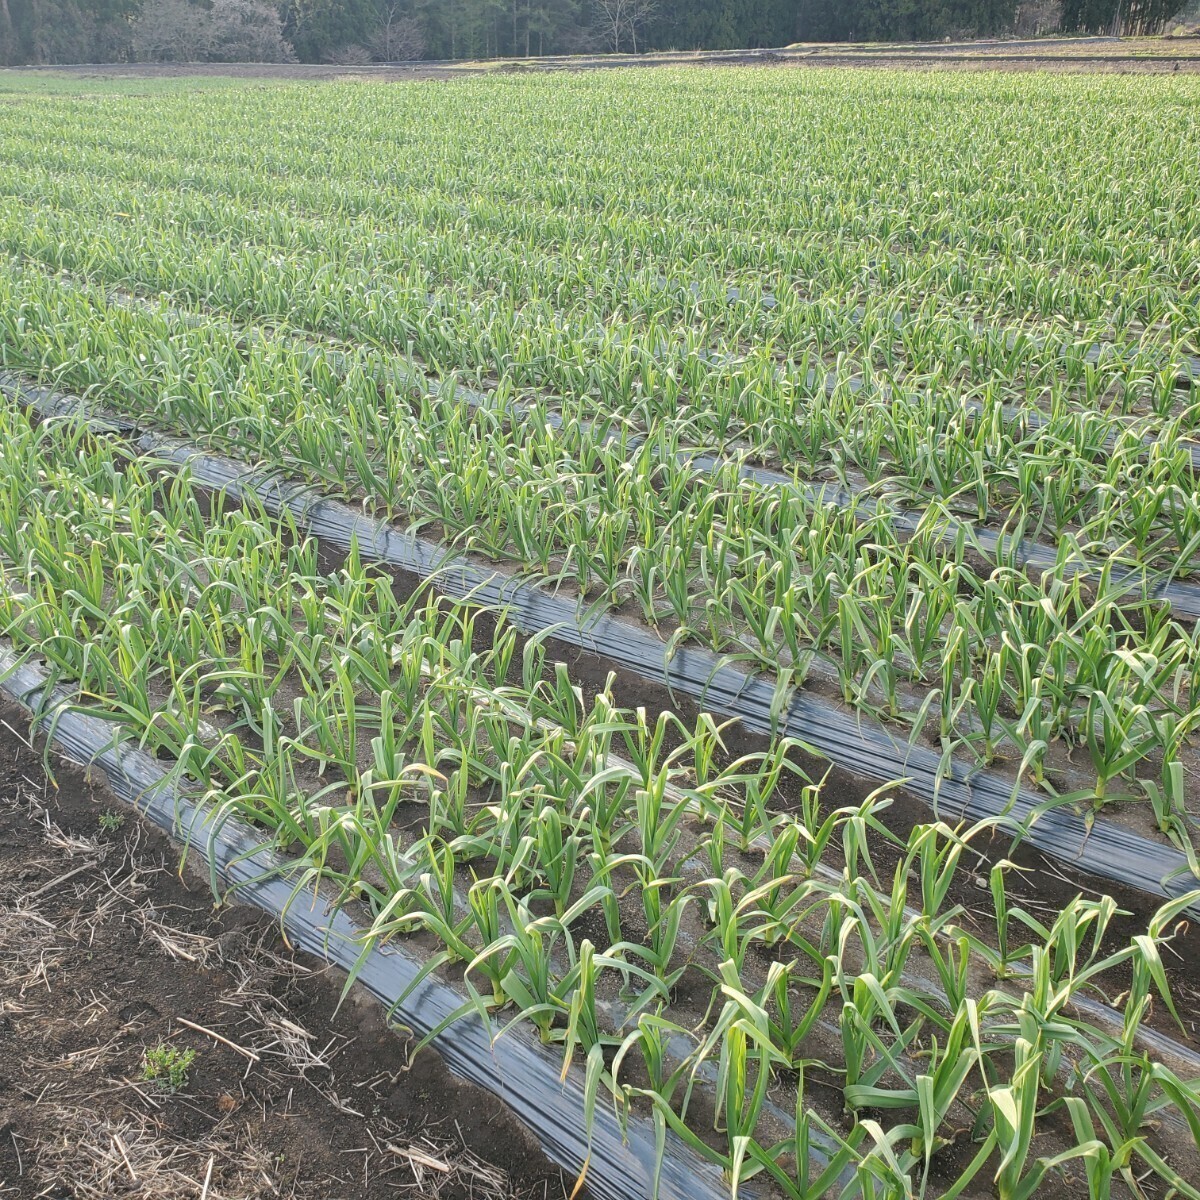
(516, 1068)
(617, 1168)
(1183, 598)
(1107, 850)
(854, 743)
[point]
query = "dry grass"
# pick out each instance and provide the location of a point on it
(105, 1131)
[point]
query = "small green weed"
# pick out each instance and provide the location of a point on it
(168, 1066)
(111, 820)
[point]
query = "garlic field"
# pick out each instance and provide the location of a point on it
(700, 566)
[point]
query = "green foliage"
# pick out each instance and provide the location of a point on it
(47, 31)
(801, 985)
(218, 606)
(886, 586)
(168, 1066)
(1128, 17)
(39, 31)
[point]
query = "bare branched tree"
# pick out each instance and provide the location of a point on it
(611, 14)
(248, 31)
(228, 31)
(171, 31)
(397, 35)
(350, 55)
(621, 20)
(641, 13)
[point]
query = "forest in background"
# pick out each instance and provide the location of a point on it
(363, 31)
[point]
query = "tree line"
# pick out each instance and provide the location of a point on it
(360, 31)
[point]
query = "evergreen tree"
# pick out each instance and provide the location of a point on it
(1128, 17)
(44, 31)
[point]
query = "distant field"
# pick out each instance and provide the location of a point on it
(700, 565)
(1146, 55)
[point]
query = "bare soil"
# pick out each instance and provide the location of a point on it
(299, 72)
(1144, 55)
(107, 952)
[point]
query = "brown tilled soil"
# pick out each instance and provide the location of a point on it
(1146, 55)
(106, 953)
(298, 72)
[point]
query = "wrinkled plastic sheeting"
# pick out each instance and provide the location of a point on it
(1184, 598)
(50, 404)
(516, 1069)
(1106, 850)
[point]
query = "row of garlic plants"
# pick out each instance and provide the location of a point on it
(456, 783)
(505, 266)
(1070, 197)
(909, 628)
(512, 307)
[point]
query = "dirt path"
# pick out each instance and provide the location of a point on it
(1144, 55)
(107, 957)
